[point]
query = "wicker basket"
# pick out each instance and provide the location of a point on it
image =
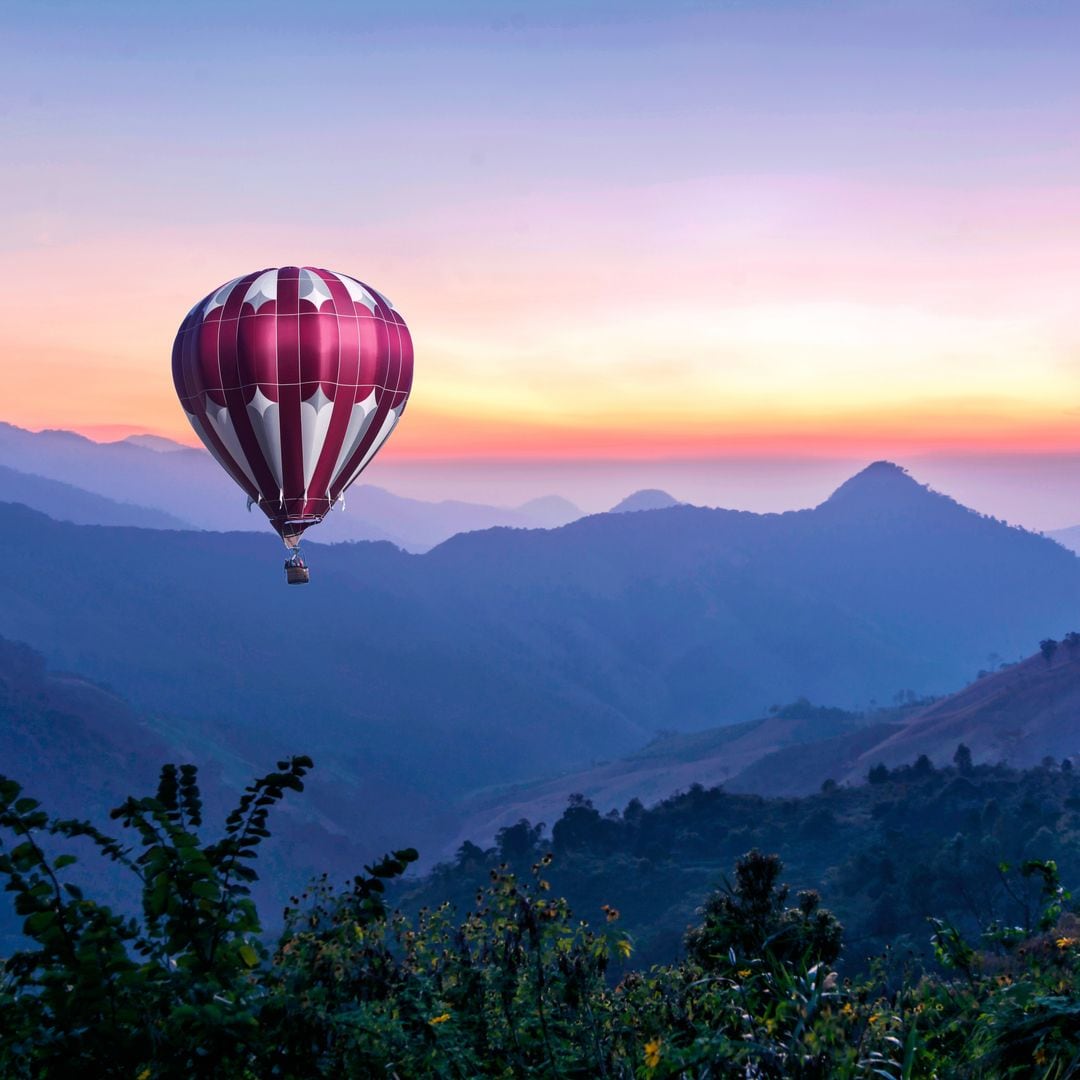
(296, 575)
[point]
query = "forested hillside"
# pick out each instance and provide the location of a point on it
(913, 842)
(82, 749)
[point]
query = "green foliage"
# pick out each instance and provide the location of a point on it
(750, 919)
(101, 994)
(513, 985)
(885, 856)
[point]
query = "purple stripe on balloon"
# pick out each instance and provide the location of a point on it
(319, 358)
(181, 361)
(258, 350)
(344, 390)
(405, 375)
(288, 337)
(236, 376)
(208, 372)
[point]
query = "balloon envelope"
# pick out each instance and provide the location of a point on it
(293, 377)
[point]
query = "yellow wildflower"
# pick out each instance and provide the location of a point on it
(848, 1010)
(875, 1017)
(652, 1053)
(624, 947)
(1040, 1056)
(1065, 942)
(441, 1019)
(744, 973)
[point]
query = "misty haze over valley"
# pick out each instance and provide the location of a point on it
(507, 668)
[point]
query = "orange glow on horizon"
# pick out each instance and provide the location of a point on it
(427, 434)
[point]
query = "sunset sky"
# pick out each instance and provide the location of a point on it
(617, 230)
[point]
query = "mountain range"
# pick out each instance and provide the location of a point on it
(1021, 714)
(505, 655)
(151, 482)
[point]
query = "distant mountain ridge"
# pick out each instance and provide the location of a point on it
(676, 761)
(514, 654)
(155, 442)
(1069, 538)
(65, 502)
(1019, 715)
(646, 499)
(178, 486)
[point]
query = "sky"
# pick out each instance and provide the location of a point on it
(619, 231)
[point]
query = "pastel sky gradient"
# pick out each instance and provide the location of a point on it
(617, 229)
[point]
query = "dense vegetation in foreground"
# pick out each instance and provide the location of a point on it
(515, 986)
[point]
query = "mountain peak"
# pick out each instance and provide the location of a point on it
(646, 499)
(879, 482)
(156, 443)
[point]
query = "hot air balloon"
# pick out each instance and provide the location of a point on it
(293, 377)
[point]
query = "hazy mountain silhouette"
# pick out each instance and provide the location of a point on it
(55, 725)
(508, 654)
(646, 499)
(65, 502)
(676, 761)
(188, 486)
(155, 442)
(1019, 715)
(81, 749)
(419, 525)
(550, 511)
(1069, 537)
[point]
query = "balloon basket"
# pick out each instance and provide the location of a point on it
(297, 575)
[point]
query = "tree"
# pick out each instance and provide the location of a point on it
(879, 774)
(582, 828)
(750, 919)
(962, 760)
(923, 766)
(173, 988)
(469, 856)
(1048, 647)
(518, 843)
